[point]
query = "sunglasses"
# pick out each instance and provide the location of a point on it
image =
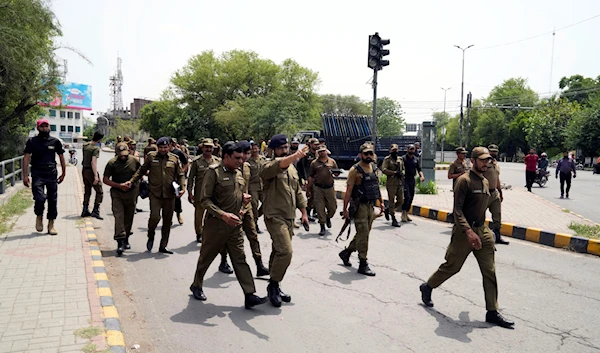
(368, 153)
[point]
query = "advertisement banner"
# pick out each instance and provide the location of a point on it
(72, 96)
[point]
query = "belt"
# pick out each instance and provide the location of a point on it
(323, 186)
(492, 190)
(86, 168)
(44, 166)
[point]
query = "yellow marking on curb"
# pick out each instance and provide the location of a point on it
(104, 292)
(562, 240)
(593, 247)
(98, 263)
(424, 211)
(411, 210)
(442, 216)
(100, 277)
(533, 234)
(110, 312)
(93, 243)
(115, 338)
(89, 228)
(95, 253)
(507, 229)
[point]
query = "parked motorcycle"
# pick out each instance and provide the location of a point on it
(541, 177)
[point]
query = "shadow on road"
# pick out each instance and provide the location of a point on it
(346, 277)
(455, 329)
(191, 247)
(218, 280)
(7, 237)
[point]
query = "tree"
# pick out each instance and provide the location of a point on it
(546, 128)
(124, 127)
(389, 117)
(28, 69)
(452, 136)
(580, 89)
(583, 130)
(344, 105)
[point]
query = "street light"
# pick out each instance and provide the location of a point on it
(462, 89)
(444, 124)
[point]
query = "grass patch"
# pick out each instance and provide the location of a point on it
(566, 210)
(382, 179)
(585, 230)
(89, 332)
(428, 188)
(16, 206)
(442, 162)
(91, 348)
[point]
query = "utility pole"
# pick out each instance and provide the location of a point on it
(374, 131)
(462, 90)
(375, 61)
(444, 122)
(469, 97)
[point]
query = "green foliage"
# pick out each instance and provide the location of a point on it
(546, 128)
(586, 230)
(428, 188)
(15, 207)
(344, 105)
(28, 69)
(452, 136)
(122, 128)
(382, 179)
(580, 89)
(583, 130)
(389, 117)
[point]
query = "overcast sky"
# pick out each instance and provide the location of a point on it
(156, 37)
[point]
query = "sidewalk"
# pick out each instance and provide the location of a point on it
(47, 285)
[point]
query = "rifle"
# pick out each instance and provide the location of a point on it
(352, 208)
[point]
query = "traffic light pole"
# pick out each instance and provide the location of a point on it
(374, 130)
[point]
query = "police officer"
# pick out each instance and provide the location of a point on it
(117, 172)
(184, 147)
(362, 185)
(294, 145)
(470, 234)
(198, 168)
(151, 146)
(492, 174)
(164, 169)
(223, 197)
(132, 145)
(183, 159)
(256, 162)
(283, 195)
(412, 165)
(217, 148)
(459, 166)
(90, 176)
(393, 167)
(303, 167)
(320, 181)
(41, 151)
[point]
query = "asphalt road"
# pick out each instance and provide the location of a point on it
(552, 295)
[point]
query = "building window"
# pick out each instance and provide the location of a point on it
(52, 127)
(70, 115)
(63, 114)
(411, 127)
(77, 115)
(63, 128)
(52, 112)
(70, 128)
(77, 129)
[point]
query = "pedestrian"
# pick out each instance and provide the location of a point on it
(133, 152)
(184, 147)
(531, 161)
(363, 187)
(117, 172)
(543, 164)
(283, 195)
(119, 140)
(565, 167)
(294, 145)
(164, 169)
(303, 167)
(459, 166)
(393, 168)
(263, 147)
(90, 176)
(184, 161)
(217, 148)
(470, 234)
(256, 162)
(412, 166)
(223, 197)
(418, 149)
(151, 146)
(320, 181)
(198, 168)
(41, 151)
(492, 174)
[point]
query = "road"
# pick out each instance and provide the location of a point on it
(551, 294)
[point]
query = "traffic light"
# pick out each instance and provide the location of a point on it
(376, 52)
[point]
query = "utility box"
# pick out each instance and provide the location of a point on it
(428, 147)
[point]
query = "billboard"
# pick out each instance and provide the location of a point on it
(72, 95)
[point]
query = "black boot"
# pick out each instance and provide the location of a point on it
(150, 242)
(426, 294)
(197, 293)
(198, 238)
(363, 268)
(286, 298)
(165, 250)
(96, 212)
(386, 213)
(345, 256)
(328, 222)
(224, 266)
(258, 229)
(126, 244)
(120, 244)
(322, 232)
(253, 300)
(274, 293)
(86, 211)
(394, 221)
(494, 317)
(498, 237)
(310, 217)
(261, 270)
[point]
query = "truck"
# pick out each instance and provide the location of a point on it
(344, 134)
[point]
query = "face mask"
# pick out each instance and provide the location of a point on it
(394, 154)
(44, 133)
(293, 149)
(410, 153)
(367, 160)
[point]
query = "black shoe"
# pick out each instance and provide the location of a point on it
(120, 247)
(561, 196)
(86, 211)
(258, 230)
(567, 195)
(150, 244)
(426, 294)
(198, 238)
(494, 317)
(261, 270)
(197, 293)
(286, 298)
(225, 268)
(502, 241)
(328, 222)
(254, 300)
(311, 219)
(274, 294)
(363, 268)
(322, 232)
(96, 212)
(165, 250)
(395, 222)
(345, 256)
(386, 213)
(139, 210)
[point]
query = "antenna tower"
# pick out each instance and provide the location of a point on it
(116, 89)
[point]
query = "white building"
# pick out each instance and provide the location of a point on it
(413, 129)
(66, 124)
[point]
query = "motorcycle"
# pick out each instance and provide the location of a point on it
(72, 159)
(541, 177)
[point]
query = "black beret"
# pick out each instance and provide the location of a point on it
(243, 145)
(163, 141)
(278, 140)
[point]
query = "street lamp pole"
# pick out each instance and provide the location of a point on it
(444, 124)
(462, 91)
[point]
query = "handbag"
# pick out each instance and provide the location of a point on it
(144, 189)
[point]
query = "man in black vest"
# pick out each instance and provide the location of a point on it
(412, 165)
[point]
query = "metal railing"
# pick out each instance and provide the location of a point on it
(11, 171)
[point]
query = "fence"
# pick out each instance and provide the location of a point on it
(11, 171)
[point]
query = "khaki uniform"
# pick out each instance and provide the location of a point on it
(323, 191)
(90, 150)
(495, 205)
(394, 183)
(198, 168)
(364, 216)
(256, 185)
(164, 170)
(148, 149)
(457, 167)
(304, 165)
(471, 200)
(123, 202)
(222, 192)
(283, 196)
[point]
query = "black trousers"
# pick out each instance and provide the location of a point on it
(409, 193)
(565, 178)
(530, 177)
(178, 206)
(47, 178)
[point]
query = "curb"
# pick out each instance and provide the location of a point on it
(442, 167)
(535, 235)
(110, 316)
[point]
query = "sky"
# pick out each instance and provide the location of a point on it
(155, 38)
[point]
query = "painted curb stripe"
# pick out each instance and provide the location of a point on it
(593, 247)
(115, 338)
